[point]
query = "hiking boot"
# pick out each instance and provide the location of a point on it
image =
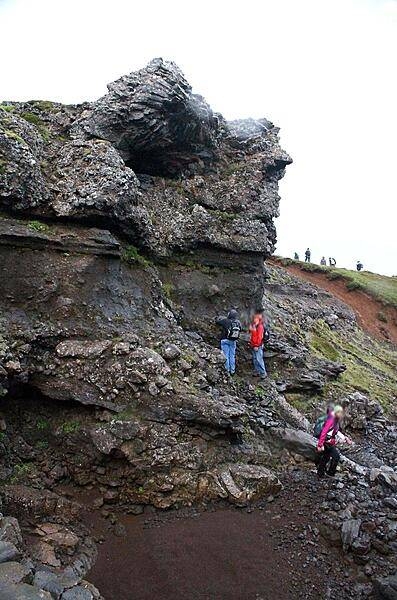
(264, 376)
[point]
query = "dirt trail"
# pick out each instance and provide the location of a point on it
(366, 307)
(235, 554)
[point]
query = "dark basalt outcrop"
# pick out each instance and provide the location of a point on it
(88, 316)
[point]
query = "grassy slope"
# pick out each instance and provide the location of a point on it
(381, 287)
(371, 365)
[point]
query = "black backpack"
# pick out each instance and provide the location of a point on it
(318, 426)
(234, 330)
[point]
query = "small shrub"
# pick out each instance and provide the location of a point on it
(70, 427)
(45, 105)
(354, 285)
(333, 275)
(168, 290)
(131, 255)
(21, 470)
(42, 424)
(42, 445)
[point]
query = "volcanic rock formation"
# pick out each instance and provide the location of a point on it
(128, 224)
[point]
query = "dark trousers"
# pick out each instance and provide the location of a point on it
(330, 455)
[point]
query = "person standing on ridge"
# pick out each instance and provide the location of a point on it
(323, 262)
(230, 333)
(332, 262)
(258, 334)
(328, 436)
(296, 256)
(308, 254)
(359, 265)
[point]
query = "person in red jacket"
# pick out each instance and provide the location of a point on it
(257, 335)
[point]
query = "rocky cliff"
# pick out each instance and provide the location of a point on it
(128, 224)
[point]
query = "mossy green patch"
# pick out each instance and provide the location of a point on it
(12, 135)
(232, 168)
(7, 107)
(38, 122)
(70, 427)
(370, 365)
(168, 290)
(132, 255)
(44, 105)
(221, 214)
(38, 226)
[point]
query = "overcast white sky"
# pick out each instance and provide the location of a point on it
(323, 70)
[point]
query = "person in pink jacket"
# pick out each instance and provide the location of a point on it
(327, 441)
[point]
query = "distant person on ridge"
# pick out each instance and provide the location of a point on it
(258, 335)
(327, 429)
(359, 265)
(231, 329)
(323, 262)
(308, 254)
(296, 256)
(332, 262)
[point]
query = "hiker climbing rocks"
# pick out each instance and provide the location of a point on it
(296, 256)
(323, 262)
(359, 265)
(230, 332)
(327, 429)
(308, 254)
(258, 335)
(332, 262)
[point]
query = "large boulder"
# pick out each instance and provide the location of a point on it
(153, 119)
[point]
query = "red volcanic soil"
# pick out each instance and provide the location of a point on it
(366, 307)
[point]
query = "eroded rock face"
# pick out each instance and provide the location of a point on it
(201, 181)
(154, 120)
(87, 319)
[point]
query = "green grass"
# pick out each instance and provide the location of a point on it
(42, 424)
(381, 287)
(132, 255)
